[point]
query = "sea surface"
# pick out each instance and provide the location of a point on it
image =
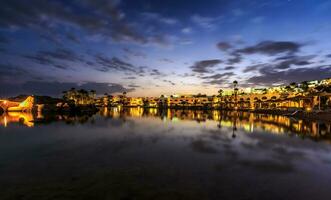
(137, 153)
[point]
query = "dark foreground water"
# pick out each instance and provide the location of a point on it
(151, 154)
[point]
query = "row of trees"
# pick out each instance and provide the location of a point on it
(79, 97)
(302, 87)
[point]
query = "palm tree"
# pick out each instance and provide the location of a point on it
(220, 92)
(288, 88)
(293, 84)
(93, 93)
(92, 96)
(65, 95)
(235, 83)
(123, 98)
(235, 90)
(304, 86)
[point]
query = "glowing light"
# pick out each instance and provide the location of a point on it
(17, 117)
(5, 121)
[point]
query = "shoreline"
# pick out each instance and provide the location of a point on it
(324, 116)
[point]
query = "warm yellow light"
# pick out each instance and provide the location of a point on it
(5, 121)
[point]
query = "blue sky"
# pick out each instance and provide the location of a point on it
(153, 47)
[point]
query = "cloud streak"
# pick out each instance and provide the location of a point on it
(269, 76)
(271, 48)
(56, 88)
(204, 66)
(46, 17)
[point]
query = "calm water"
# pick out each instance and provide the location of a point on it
(149, 154)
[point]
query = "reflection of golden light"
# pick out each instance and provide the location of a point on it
(40, 115)
(175, 119)
(247, 127)
(5, 121)
(16, 117)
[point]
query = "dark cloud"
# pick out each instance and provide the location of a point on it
(253, 68)
(286, 57)
(55, 58)
(204, 66)
(229, 68)
(217, 79)
(234, 59)
(294, 60)
(134, 53)
(167, 60)
(108, 64)
(155, 72)
(328, 56)
(159, 38)
(168, 81)
(50, 37)
(186, 75)
(9, 71)
(141, 70)
(218, 76)
(133, 86)
(38, 58)
(272, 48)
(72, 37)
(100, 17)
(224, 46)
(59, 66)
(130, 77)
(281, 63)
(269, 75)
(56, 88)
(3, 40)
(61, 54)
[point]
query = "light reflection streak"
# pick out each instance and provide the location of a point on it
(249, 122)
(26, 119)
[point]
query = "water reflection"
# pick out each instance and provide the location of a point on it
(17, 117)
(136, 153)
(249, 122)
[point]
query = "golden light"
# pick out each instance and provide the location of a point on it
(5, 121)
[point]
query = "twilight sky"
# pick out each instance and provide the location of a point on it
(153, 47)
